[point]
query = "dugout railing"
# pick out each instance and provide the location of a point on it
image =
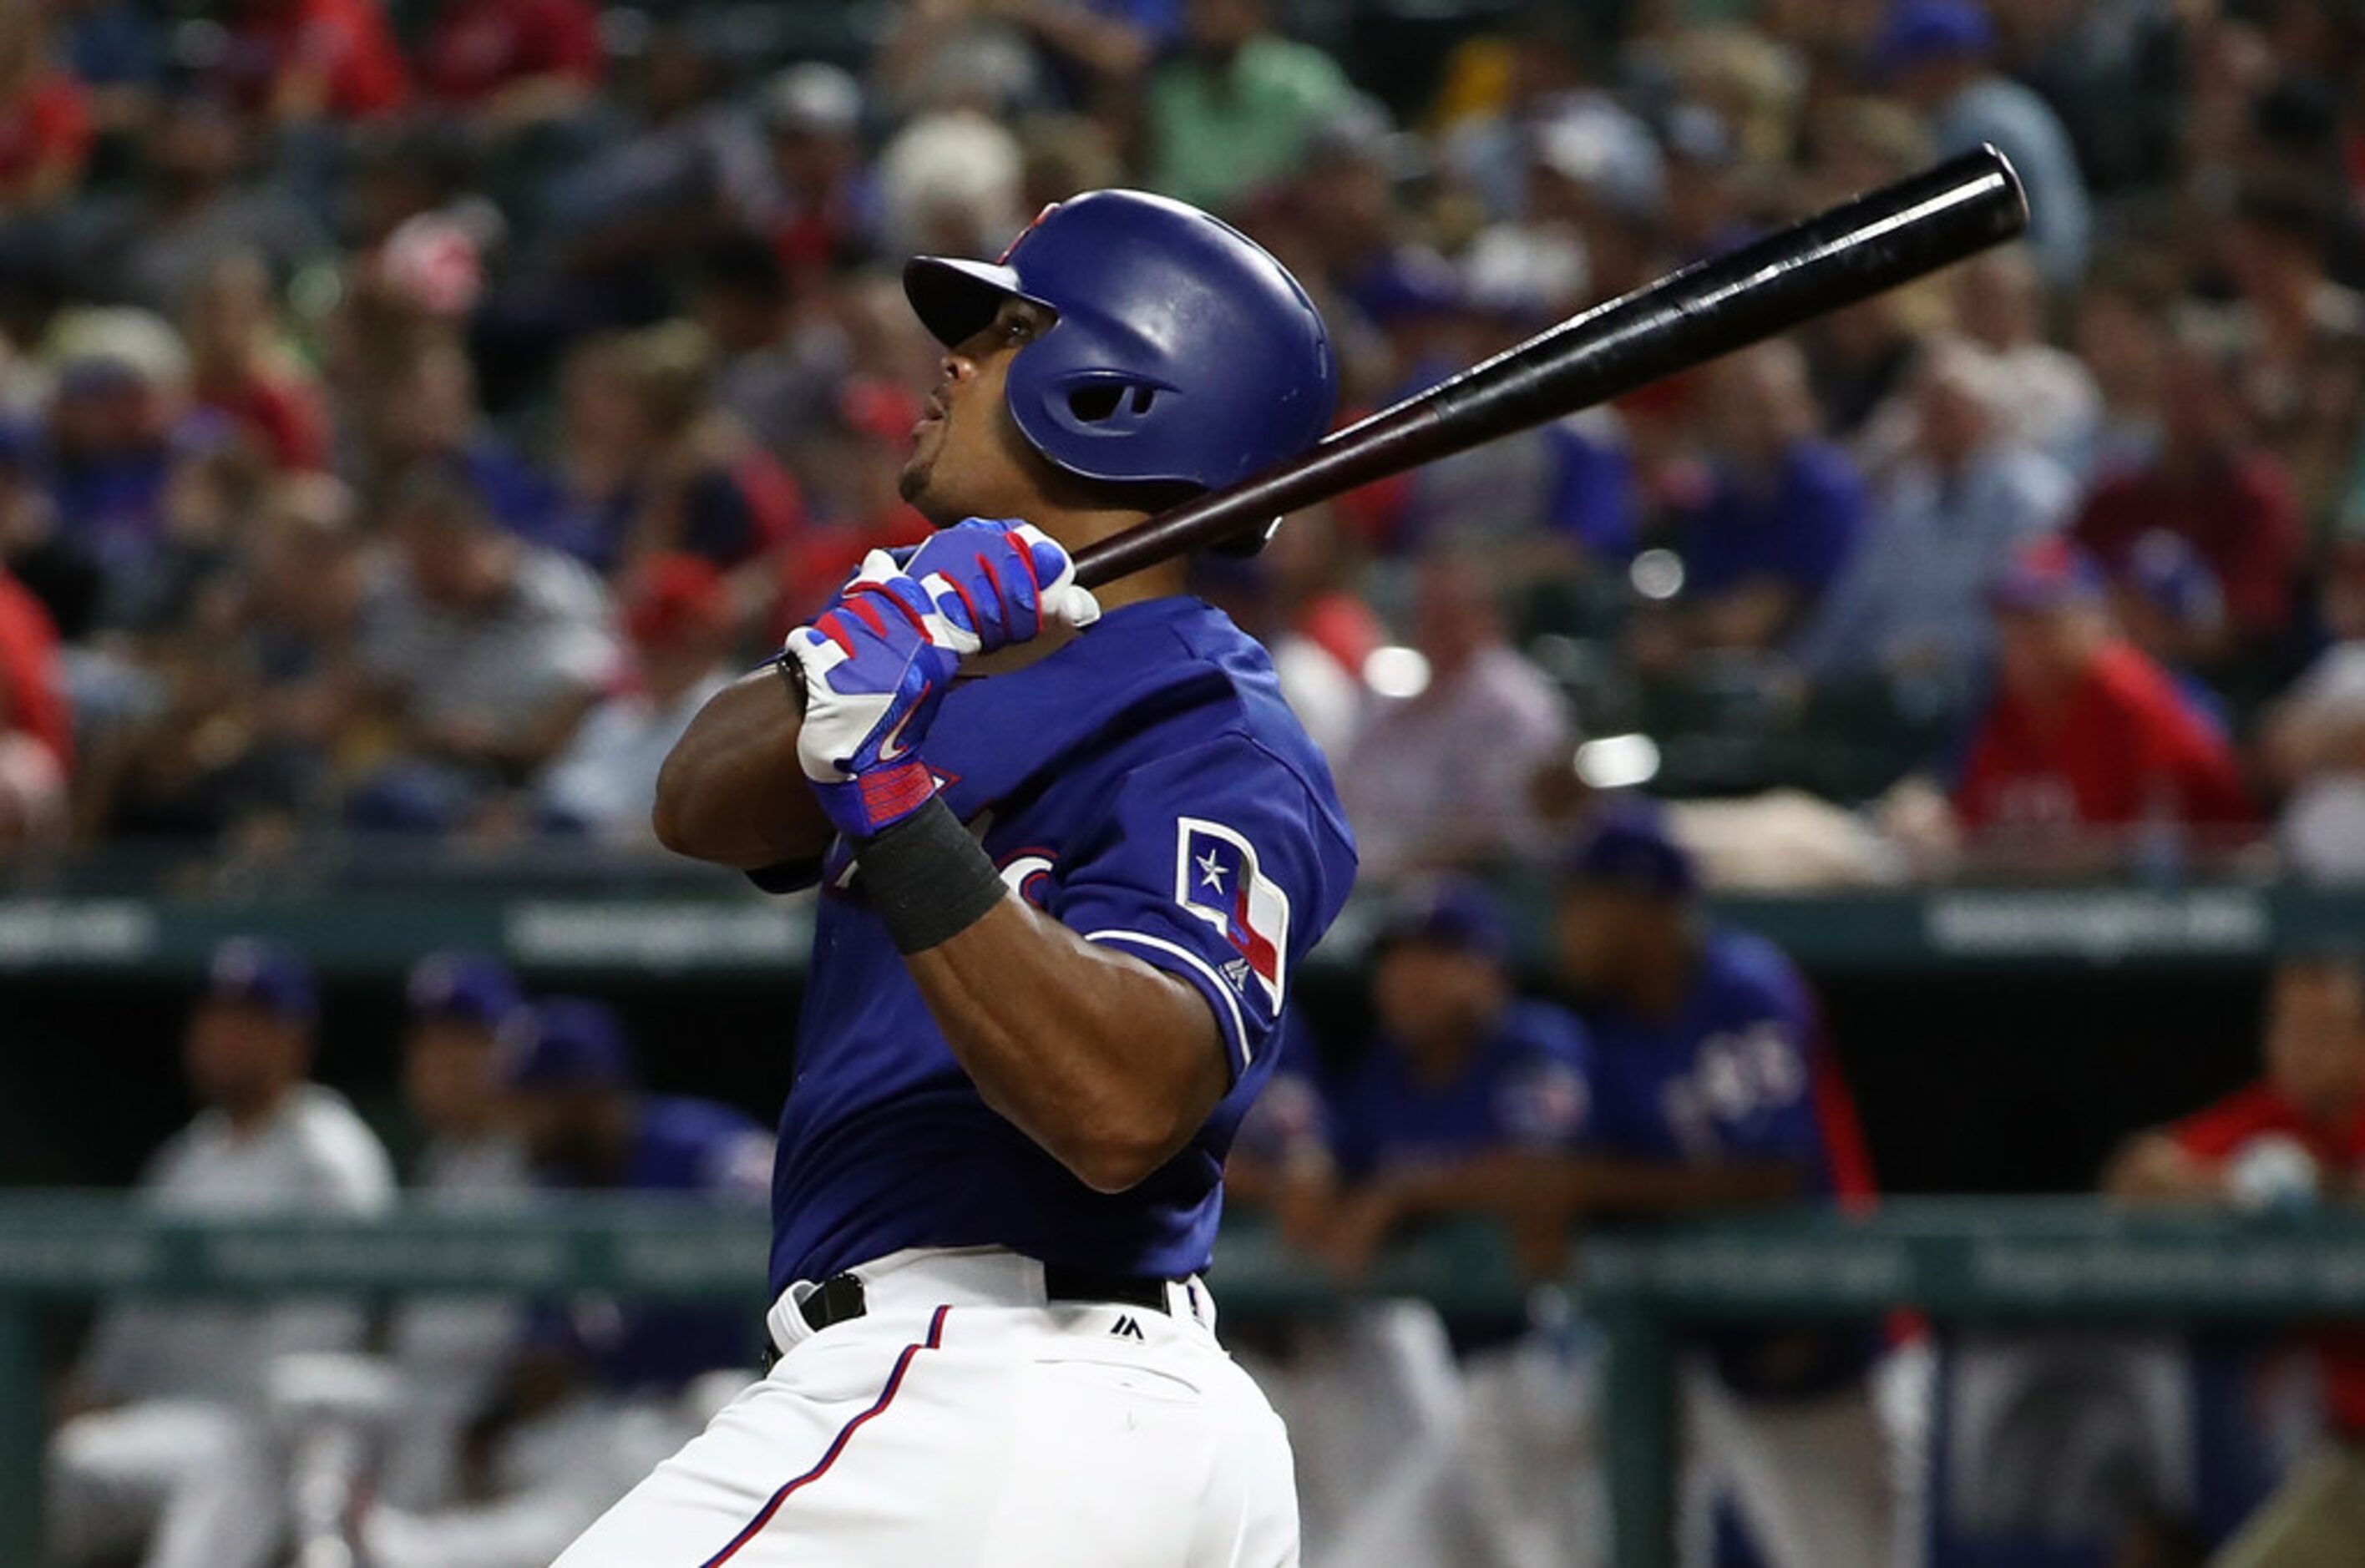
(1987, 1261)
(609, 925)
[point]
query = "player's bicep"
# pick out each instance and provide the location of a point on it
(1219, 884)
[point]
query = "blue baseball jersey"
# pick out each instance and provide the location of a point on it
(1736, 1076)
(1523, 1087)
(1146, 786)
(689, 1147)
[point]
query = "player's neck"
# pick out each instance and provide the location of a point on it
(1080, 527)
(248, 1113)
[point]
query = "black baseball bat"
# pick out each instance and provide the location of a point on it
(1856, 249)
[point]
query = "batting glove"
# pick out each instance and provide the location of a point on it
(875, 669)
(997, 582)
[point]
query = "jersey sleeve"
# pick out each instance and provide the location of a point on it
(1213, 864)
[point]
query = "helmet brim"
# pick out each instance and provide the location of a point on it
(956, 299)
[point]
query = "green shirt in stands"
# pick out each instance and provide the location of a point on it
(1219, 131)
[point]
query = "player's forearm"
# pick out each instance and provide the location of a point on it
(2153, 1167)
(1643, 1187)
(732, 790)
(1513, 1184)
(1107, 1063)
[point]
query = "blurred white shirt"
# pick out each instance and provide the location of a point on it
(606, 778)
(1445, 776)
(311, 1156)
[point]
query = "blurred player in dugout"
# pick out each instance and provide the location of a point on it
(1451, 1441)
(2294, 1136)
(449, 1355)
(580, 1397)
(162, 1450)
(1712, 1089)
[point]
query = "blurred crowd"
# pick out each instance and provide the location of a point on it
(411, 409)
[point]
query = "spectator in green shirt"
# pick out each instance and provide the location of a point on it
(1231, 110)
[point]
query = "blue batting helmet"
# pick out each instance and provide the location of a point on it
(1184, 354)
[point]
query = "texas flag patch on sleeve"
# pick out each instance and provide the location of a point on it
(1216, 879)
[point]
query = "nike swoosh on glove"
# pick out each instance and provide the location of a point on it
(876, 669)
(995, 581)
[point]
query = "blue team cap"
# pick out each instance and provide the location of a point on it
(1631, 847)
(1455, 913)
(565, 1042)
(268, 976)
(1920, 30)
(465, 987)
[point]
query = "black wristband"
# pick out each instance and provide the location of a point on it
(927, 878)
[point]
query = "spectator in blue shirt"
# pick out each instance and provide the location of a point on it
(1954, 510)
(1938, 56)
(1780, 513)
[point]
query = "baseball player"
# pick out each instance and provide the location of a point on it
(1372, 1395)
(595, 1394)
(1467, 1096)
(167, 1455)
(448, 1353)
(1061, 909)
(1709, 1092)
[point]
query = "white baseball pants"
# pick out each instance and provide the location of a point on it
(1816, 1481)
(183, 1482)
(964, 1421)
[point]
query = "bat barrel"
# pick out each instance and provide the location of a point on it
(1864, 247)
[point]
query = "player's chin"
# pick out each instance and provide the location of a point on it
(912, 484)
(917, 485)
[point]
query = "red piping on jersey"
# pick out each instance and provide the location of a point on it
(837, 1445)
(1854, 1186)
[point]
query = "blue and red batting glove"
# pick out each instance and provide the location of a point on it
(998, 581)
(875, 669)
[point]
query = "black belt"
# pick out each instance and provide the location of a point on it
(840, 1298)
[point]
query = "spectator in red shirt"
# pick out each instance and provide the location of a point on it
(32, 692)
(292, 60)
(2086, 733)
(35, 728)
(514, 62)
(2296, 1135)
(45, 130)
(239, 370)
(2212, 484)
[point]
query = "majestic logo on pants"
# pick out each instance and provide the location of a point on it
(1216, 879)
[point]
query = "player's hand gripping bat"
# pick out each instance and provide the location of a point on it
(1857, 249)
